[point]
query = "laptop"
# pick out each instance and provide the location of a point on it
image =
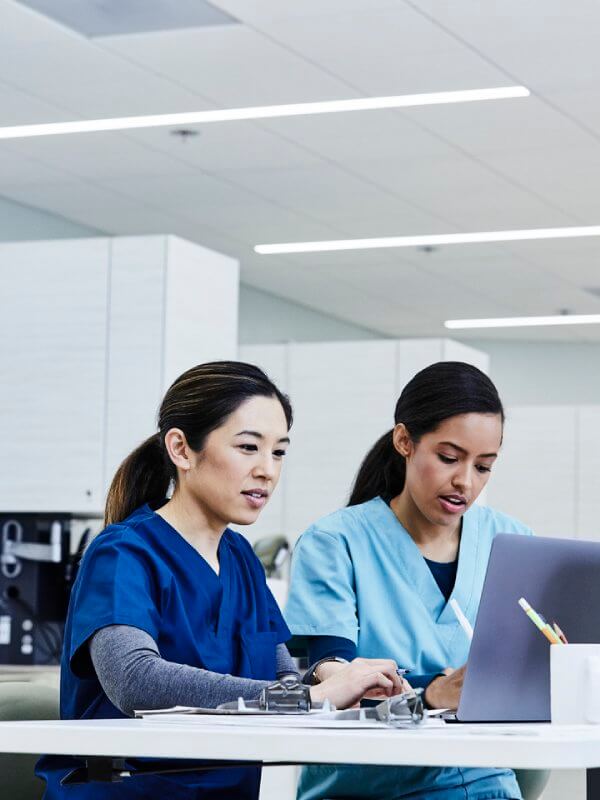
(508, 672)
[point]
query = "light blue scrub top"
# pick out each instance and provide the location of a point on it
(358, 574)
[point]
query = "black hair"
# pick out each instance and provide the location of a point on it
(438, 392)
(198, 402)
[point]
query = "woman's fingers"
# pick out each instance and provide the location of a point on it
(387, 667)
(378, 683)
(375, 678)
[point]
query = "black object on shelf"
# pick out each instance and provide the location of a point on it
(35, 571)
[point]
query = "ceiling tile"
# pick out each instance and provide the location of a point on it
(233, 66)
(385, 51)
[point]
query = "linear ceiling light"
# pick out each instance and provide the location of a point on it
(524, 322)
(429, 240)
(262, 112)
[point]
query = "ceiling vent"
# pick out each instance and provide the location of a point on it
(94, 18)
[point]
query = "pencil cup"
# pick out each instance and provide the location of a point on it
(575, 684)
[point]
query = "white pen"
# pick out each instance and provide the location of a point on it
(462, 620)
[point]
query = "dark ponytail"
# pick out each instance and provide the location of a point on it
(143, 477)
(438, 392)
(198, 402)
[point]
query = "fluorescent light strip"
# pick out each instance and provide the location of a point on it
(422, 241)
(524, 322)
(262, 112)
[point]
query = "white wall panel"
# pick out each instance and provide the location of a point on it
(535, 476)
(52, 372)
(343, 394)
(413, 355)
(201, 311)
(137, 278)
(272, 358)
(457, 351)
(588, 473)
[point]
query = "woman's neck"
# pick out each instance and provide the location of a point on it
(436, 542)
(195, 525)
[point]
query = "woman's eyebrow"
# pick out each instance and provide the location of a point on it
(258, 435)
(462, 450)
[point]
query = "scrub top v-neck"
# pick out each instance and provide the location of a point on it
(143, 573)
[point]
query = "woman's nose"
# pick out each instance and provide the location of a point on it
(462, 478)
(265, 467)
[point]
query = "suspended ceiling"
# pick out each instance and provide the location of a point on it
(510, 164)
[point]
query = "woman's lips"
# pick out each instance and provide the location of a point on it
(450, 507)
(255, 500)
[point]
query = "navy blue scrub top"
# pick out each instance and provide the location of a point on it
(142, 572)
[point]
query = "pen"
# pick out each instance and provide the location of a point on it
(462, 620)
(539, 623)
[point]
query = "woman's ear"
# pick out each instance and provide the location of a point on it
(403, 444)
(178, 449)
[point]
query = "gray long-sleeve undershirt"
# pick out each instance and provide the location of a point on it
(135, 676)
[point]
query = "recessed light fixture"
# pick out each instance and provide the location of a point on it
(524, 322)
(429, 240)
(183, 134)
(262, 112)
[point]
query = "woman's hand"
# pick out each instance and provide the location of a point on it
(344, 685)
(444, 691)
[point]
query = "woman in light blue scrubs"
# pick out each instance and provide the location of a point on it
(374, 579)
(170, 605)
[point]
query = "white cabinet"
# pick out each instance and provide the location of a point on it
(344, 395)
(173, 304)
(414, 355)
(91, 333)
(536, 476)
(52, 374)
(588, 483)
(344, 398)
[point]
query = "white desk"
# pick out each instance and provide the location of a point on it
(520, 746)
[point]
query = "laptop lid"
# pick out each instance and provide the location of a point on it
(508, 671)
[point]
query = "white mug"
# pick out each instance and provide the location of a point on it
(575, 683)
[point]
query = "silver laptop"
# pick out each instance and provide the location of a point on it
(508, 671)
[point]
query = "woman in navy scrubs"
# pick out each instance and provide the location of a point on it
(171, 606)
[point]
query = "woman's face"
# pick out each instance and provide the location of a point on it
(235, 473)
(447, 469)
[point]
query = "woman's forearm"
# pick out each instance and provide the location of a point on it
(134, 676)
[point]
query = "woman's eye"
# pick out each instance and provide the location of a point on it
(279, 453)
(481, 468)
(446, 459)
(249, 448)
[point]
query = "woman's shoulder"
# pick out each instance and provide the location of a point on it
(345, 523)
(126, 534)
(494, 521)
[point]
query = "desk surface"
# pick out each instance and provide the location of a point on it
(519, 746)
